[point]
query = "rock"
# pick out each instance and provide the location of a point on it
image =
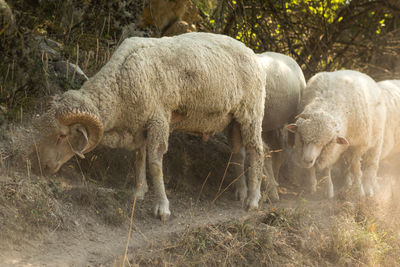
(49, 47)
(67, 69)
(132, 29)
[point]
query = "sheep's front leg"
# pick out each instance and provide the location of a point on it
(326, 174)
(157, 145)
(356, 173)
(312, 179)
(140, 168)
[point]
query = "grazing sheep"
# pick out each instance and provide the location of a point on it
(341, 113)
(284, 84)
(196, 83)
(391, 95)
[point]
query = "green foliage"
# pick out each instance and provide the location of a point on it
(320, 35)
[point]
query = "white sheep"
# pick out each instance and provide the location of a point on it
(391, 96)
(196, 83)
(284, 83)
(341, 113)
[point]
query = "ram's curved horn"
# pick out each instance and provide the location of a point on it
(90, 121)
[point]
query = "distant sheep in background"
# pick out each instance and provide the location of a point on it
(196, 83)
(342, 113)
(284, 84)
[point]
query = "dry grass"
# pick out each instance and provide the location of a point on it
(235, 243)
(350, 236)
(28, 206)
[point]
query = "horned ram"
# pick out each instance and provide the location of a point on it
(195, 82)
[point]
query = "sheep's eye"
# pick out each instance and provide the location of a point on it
(61, 137)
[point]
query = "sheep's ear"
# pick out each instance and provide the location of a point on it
(291, 127)
(342, 140)
(291, 139)
(301, 115)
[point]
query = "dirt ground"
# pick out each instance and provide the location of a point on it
(80, 217)
(91, 243)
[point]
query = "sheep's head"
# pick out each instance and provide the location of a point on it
(315, 134)
(64, 133)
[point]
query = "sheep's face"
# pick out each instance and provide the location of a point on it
(62, 144)
(67, 128)
(314, 135)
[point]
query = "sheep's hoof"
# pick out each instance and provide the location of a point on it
(358, 190)
(329, 191)
(377, 187)
(349, 182)
(140, 192)
(241, 194)
(370, 192)
(273, 195)
(252, 203)
(330, 194)
(161, 211)
(313, 187)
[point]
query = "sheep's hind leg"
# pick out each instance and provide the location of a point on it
(141, 187)
(271, 186)
(254, 177)
(370, 164)
(237, 160)
(238, 166)
(157, 145)
(255, 153)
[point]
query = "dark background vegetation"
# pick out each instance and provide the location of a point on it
(319, 35)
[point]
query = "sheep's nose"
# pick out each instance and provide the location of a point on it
(49, 169)
(308, 161)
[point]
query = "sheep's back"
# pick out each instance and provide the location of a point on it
(192, 74)
(284, 83)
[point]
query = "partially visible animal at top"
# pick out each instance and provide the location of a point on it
(170, 17)
(284, 83)
(341, 114)
(196, 83)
